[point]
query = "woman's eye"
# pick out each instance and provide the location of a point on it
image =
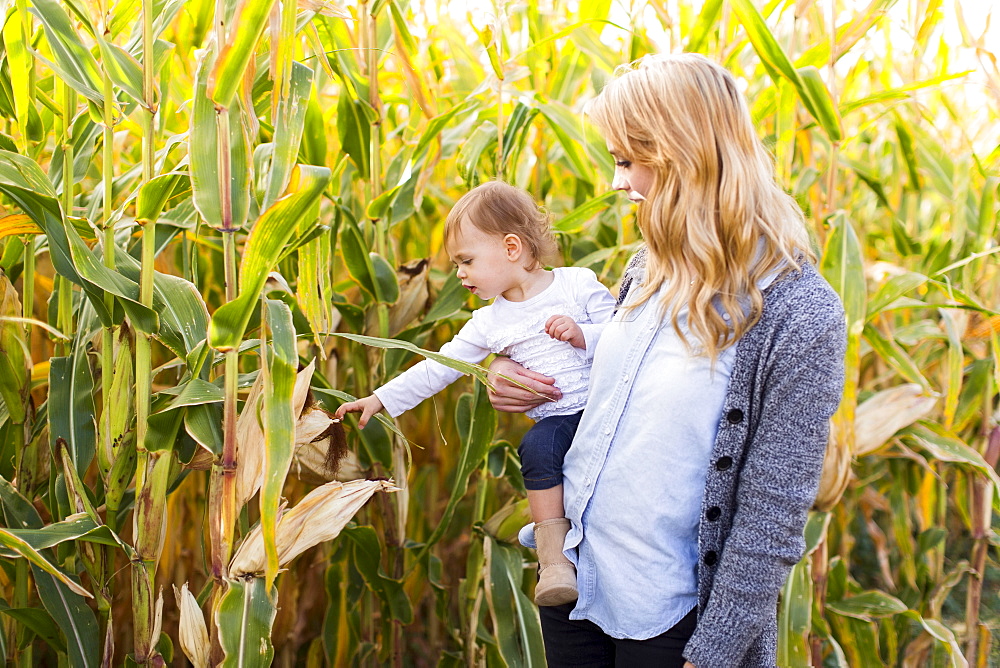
(624, 164)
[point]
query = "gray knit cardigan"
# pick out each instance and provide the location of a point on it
(764, 472)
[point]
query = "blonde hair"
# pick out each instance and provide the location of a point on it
(499, 208)
(714, 219)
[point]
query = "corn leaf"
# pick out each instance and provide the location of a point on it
(75, 527)
(72, 415)
(368, 561)
(13, 543)
(269, 236)
(204, 151)
(39, 622)
(73, 62)
(896, 357)
(244, 618)
(515, 617)
(288, 128)
(843, 267)
(868, 605)
(281, 362)
(16, 224)
(71, 612)
(244, 33)
(19, 64)
(945, 446)
(795, 617)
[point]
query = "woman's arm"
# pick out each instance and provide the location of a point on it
(510, 398)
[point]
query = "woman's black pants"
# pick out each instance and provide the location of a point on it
(579, 643)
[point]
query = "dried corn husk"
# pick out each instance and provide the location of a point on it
(250, 436)
(193, 631)
(318, 517)
(836, 469)
(309, 462)
(886, 412)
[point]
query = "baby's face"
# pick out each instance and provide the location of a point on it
(482, 261)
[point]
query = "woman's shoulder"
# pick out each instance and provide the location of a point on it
(802, 298)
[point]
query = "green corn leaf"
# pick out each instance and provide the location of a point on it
(450, 300)
(568, 128)
(123, 70)
(73, 61)
(155, 193)
(244, 618)
(843, 266)
(203, 152)
(13, 543)
(15, 359)
(821, 104)
(71, 612)
(72, 415)
(288, 129)
(386, 283)
(40, 622)
(465, 367)
(439, 123)
(955, 366)
(699, 33)
(244, 33)
(483, 138)
(356, 256)
(515, 618)
(868, 605)
(17, 511)
(807, 83)
(265, 244)
(893, 289)
(204, 424)
(19, 64)
(183, 315)
(279, 424)
(795, 617)
(477, 422)
(368, 561)
(894, 355)
(75, 527)
(354, 129)
(573, 222)
(45, 212)
(92, 269)
(947, 447)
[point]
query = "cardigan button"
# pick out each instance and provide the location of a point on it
(713, 513)
(723, 463)
(735, 416)
(710, 558)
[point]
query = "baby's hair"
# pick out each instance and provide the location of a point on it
(499, 208)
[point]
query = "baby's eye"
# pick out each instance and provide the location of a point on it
(467, 262)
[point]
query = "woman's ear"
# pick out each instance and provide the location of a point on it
(513, 247)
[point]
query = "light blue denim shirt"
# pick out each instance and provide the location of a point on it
(635, 475)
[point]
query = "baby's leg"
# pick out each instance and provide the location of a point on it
(542, 452)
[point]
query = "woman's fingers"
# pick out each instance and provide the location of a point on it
(510, 398)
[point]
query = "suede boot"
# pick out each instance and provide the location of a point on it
(556, 574)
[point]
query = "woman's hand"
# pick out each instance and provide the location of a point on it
(509, 398)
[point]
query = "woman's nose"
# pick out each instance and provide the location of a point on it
(619, 182)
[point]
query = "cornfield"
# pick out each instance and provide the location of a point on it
(221, 219)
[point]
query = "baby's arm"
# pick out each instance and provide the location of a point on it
(368, 406)
(564, 328)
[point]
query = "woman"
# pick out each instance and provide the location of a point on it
(700, 449)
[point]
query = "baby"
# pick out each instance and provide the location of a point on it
(549, 321)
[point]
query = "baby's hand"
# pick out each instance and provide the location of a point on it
(367, 406)
(564, 328)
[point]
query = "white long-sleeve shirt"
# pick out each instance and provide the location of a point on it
(517, 329)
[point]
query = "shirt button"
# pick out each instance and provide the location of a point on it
(735, 416)
(607, 432)
(723, 463)
(710, 558)
(713, 513)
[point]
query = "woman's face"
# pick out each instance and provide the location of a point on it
(630, 177)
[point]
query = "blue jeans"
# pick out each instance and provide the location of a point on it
(543, 450)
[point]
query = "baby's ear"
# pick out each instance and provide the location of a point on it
(513, 247)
